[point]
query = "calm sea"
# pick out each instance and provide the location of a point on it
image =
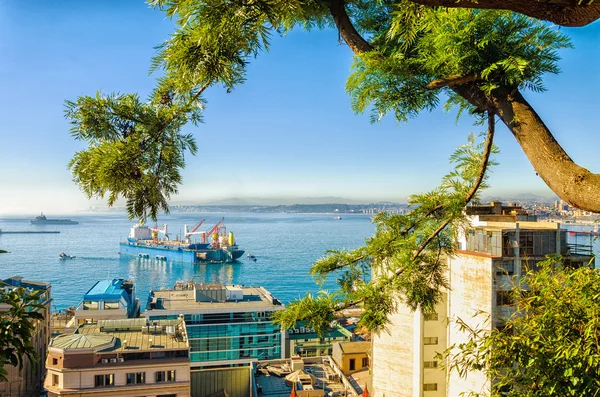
(285, 246)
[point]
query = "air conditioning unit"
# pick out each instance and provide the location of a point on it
(113, 360)
(104, 360)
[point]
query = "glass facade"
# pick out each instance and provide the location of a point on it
(231, 336)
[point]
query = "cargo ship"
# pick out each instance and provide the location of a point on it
(146, 243)
(42, 220)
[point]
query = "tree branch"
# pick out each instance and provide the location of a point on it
(355, 41)
(560, 12)
(480, 176)
(452, 81)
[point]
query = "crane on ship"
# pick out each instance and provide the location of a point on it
(155, 231)
(216, 231)
(188, 234)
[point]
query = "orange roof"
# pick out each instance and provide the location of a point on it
(293, 394)
(365, 392)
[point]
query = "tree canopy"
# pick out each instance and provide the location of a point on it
(549, 346)
(408, 57)
(19, 312)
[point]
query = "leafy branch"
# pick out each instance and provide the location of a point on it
(404, 259)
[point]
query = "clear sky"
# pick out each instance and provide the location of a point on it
(288, 132)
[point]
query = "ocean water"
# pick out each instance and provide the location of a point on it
(285, 246)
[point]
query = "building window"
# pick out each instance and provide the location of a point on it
(165, 376)
(111, 305)
(365, 362)
(430, 340)
(352, 364)
(431, 317)
(54, 361)
(90, 305)
(504, 298)
(429, 386)
(104, 380)
(54, 380)
(136, 378)
(430, 364)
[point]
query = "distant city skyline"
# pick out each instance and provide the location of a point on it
(287, 132)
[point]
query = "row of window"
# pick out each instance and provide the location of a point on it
(134, 378)
(106, 305)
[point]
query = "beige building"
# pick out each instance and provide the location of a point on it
(351, 356)
(128, 357)
(493, 253)
(28, 382)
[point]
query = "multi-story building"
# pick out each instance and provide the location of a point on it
(303, 341)
(491, 256)
(28, 381)
(108, 299)
(228, 326)
(126, 357)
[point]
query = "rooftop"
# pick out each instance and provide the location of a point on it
(108, 290)
(18, 281)
(194, 299)
(319, 367)
(126, 336)
(355, 347)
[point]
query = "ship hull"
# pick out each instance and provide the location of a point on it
(179, 254)
(55, 222)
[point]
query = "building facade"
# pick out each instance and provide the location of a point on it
(305, 342)
(108, 299)
(226, 325)
(129, 357)
(28, 382)
(501, 243)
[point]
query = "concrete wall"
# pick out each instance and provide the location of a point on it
(471, 297)
(393, 356)
(83, 380)
(435, 326)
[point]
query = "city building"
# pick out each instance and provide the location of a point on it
(303, 341)
(125, 357)
(352, 356)
(108, 299)
(228, 326)
(494, 252)
(28, 381)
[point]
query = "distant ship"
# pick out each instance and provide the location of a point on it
(144, 243)
(42, 220)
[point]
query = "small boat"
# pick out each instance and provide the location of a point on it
(336, 218)
(62, 255)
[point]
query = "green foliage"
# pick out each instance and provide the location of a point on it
(20, 312)
(549, 346)
(406, 255)
(135, 149)
(215, 39)
(501, 50)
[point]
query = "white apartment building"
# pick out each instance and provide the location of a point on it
(501, 242)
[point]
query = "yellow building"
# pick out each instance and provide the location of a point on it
(28, 382)
(351, 356)
(128, 357)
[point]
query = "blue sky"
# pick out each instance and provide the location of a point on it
(288, 132)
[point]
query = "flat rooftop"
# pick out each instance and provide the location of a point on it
(106, 289)
(275, 386)
(137, 341)
(182, 300)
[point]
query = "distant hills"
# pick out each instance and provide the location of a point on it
(274, 201)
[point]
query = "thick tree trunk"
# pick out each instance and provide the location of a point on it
(561, 12)
(574, 184)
